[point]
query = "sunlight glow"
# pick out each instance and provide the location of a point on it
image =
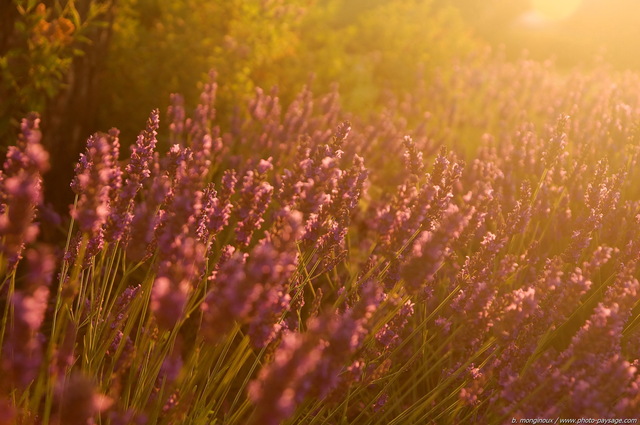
(556, 9)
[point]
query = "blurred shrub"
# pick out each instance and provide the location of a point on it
(373, 48)
(37, 45)
(369, 48)
(161, 47)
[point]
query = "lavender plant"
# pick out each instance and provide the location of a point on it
(288, 268)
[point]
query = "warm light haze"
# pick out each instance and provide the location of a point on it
(319, 212)
(555, 9)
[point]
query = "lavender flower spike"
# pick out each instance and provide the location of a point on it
(137, 172)
(21, 188)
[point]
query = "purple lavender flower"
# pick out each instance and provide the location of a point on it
(178, 269)
(16, 224)
(95, 173)
(122, 305)
(340, 135)
(125, 346)
(21, 187)
(98, 177)
(147, 219)
(3, 196)
(177, 115)
(22, 351)
(416, 209)
(255, 196)
(255, 292)
(282, 386)
(29, 154)
(168, 301)
(216, 210)
(180, 252)
(254, 289)
(204, 140)
(349, 186)
(431, 249)
(309, 365)
(137, 172)
(557, 143)
(412, 157)
(390, 334)
(77, 402)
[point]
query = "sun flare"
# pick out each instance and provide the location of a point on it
(556, 9)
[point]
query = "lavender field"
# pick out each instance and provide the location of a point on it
(466, 252)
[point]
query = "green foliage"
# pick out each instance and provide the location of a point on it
(370, 49)
(41, 43)
(161, 47)
(384, 47)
